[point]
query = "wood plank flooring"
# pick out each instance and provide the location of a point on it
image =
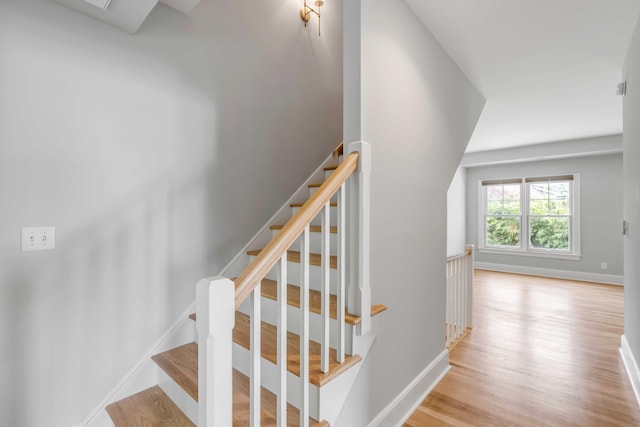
(542, 352)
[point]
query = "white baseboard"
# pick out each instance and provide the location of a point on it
(609, 279)
(632, 366)
(405, 404)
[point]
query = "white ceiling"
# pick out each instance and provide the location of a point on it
(547, 68)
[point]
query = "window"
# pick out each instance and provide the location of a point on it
(531, 216)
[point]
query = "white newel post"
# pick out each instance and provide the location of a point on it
(215, 311)
(359, 294)
(469, 282)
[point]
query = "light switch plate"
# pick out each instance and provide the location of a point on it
(38, 238)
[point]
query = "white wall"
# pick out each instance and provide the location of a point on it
(632, 201)
(600, 207)
(156, 156)
(418, 113)
(456, 213)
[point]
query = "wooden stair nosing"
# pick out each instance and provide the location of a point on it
(173, 360)
(294, 256)
(150, 407)
(181, 364)
(268, 349)
(270, 291)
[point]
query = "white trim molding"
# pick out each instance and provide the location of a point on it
(631, 365)
(609, 279)
(400, 409)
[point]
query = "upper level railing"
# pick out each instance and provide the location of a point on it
(459, 295)
(218, 298)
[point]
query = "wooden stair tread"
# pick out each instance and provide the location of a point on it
(312, 228)
(181, 364)
(184, 359)
(268, 402)
(299, 205)
(314, 185)
(241, 337)
(151, 407)
(270, 290)
(294, 256)
(330, 168)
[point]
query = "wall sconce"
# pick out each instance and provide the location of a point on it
(306, 11)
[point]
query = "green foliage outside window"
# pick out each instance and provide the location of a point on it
(503, 231)
(549, 210)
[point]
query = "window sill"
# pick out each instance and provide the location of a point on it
(517, 252)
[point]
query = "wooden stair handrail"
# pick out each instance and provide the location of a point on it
(462, 255)
(267, 258)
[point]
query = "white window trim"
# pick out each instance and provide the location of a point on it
(524, 250)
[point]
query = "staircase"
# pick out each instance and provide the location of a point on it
(266, 374)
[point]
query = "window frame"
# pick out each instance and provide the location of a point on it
(525, 248)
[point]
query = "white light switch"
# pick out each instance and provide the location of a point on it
(38, 238)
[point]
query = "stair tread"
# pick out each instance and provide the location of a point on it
(151, 407)
(314, 185)
(312, 228)
(270, 290)
(268, 403)
(241, 337)
(299, 205)
(181, 364)
(294, 256)
(187, 356)
(331, 168)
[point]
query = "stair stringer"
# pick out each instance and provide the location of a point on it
(144, 373)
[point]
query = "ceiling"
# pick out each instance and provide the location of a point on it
(547, 68)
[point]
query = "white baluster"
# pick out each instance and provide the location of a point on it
(458, 297)
(448, 316)
(282, 342)
(304, 327)
(463, 305)
(215, 311)
(256, 355)
(325, 224)
(469, 307)
(341, 258)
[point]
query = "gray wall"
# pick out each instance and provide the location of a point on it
(600, 206)
(631, 196)
(418, 113)
(157, 156)
(456, 213)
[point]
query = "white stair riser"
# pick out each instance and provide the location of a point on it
(177, 394)
(315, 242)
(293, 276)
(316, 221)
(312, 190)
(270, 312)
(332, 394)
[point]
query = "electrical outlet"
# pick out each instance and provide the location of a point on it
(38, 238)
(603, 265)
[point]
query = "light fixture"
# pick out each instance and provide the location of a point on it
(306, 11)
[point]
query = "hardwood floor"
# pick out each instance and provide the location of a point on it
(542, 352)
